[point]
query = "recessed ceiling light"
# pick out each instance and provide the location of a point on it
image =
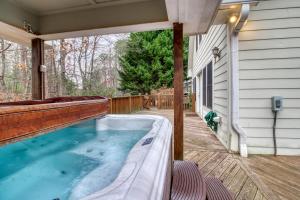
(233, 19)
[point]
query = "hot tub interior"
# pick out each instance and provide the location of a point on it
(69, 163)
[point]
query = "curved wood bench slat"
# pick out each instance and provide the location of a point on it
(188, 183)
(216, 190)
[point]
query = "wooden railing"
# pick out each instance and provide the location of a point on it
(125, 105)
(129, 104)
(167, 102)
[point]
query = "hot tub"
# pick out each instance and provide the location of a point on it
(112, 157)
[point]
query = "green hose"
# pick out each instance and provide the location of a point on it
(209, 117)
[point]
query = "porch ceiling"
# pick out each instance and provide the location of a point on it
(53, 19)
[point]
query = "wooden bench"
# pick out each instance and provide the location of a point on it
(215, 190)
(189, 184)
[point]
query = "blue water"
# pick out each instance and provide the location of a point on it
(65, 164)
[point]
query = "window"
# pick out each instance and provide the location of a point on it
(207, 87)
(204, 86)
(194, 85)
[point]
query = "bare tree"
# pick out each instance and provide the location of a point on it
(3, 65)
(76, 66)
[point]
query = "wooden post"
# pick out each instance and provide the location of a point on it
(111, 105)
(194, 102)
(38, 87)
(159, 101)
(178, 90)
(130, 109)
(142, 98)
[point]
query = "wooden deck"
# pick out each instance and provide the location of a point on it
(281, 174)
(254, 178)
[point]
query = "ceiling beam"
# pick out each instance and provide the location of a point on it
(103, 17)
(20, 36)
(11, 33)
(11, 13)
(110, 30)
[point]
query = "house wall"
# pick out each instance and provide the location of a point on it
(216, 37)
(269, 62)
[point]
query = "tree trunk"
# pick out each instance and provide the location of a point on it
(92, 61)
(3, 65)
(24, 63)
(62, 61)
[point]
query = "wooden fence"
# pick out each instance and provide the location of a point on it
(129, 104)
(166, 101)
(125, 105)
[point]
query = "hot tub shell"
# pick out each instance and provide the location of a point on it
(146, 174)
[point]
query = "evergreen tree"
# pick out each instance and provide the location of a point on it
(148, 62)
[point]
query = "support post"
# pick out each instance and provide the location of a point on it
(130, 102)
(38, 77)
(178, 90)
(193, 102)
(111, 105)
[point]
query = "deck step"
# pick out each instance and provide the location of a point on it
(216, 190)
(187, 183)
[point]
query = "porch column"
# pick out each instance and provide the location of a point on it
(38, 77)
(178, 90)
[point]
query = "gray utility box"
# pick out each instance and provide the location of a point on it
(276, 103)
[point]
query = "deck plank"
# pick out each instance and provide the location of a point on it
(272, 177)
(230, 174)
(201, 156)
(190, 155)
(258, 195)
(219, 170)
(204, 160)
(212, 164)
(282, 174)
(248, 191)
(237, 182)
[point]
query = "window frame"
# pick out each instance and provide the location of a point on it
(194, 85)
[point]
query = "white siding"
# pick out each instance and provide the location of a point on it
(216, 37)
(270, 66)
